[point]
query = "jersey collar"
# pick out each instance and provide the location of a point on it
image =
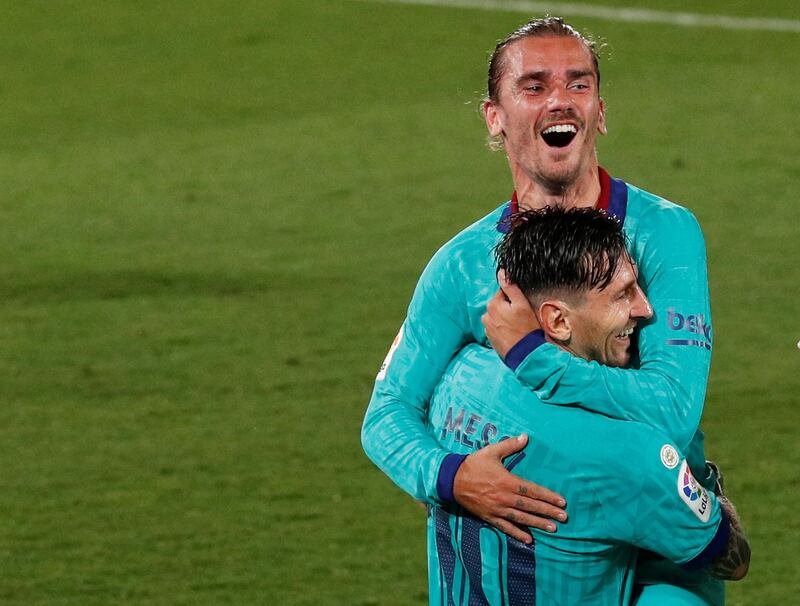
(613, 200)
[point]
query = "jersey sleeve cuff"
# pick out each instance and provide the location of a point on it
(523, 348)
(447, 476)
(715, 547)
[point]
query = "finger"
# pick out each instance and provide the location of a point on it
(538, 493)
(525, 519)
(527, 506)
(511, 530)
(514, 294)
(503, 281)
(499, 298)
(508, 447)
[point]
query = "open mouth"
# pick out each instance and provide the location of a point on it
(559, 135)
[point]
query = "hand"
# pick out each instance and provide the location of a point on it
(509, 316)
(488, 490)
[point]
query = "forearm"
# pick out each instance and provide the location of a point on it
(395, 433)
(659, 393)
(396, 438)
(733, 561)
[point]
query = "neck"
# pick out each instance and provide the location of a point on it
(582, 192)
(568, 347)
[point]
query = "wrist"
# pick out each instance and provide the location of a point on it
(523, 348)
(447, 476)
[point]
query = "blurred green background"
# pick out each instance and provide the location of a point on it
(213, 215)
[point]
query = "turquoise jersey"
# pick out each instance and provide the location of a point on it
(627, 487)
(666, 391)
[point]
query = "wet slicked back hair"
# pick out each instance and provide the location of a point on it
(556, 251)
(547, 26)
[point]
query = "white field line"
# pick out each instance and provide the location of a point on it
(633, 15)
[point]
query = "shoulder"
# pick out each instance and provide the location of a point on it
(658, 229)
(460, 277)
(473, 240)
(655, 211)
(466, 262)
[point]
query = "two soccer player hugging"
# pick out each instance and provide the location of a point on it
(597, 389)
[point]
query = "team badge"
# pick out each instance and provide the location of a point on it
(693, 494)
(669, 456)
(387, 361)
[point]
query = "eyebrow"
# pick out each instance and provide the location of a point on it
(541, 74)
(579, 73)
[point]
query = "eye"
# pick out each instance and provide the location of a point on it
(580, 86)
(534, 88)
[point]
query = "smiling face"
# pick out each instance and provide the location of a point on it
(548, 109)
(603, 320)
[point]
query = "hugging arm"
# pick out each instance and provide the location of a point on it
(395, 432)
(668, 388)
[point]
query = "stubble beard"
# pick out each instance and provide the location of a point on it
(558, 183)
(558, 178)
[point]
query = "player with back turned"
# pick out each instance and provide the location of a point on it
(627, 485)
(544, 107)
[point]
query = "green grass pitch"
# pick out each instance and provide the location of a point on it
(213, 215)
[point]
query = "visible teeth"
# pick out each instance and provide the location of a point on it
(560, 128)
(626, 333)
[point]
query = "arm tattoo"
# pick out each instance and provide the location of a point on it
(734, 560)
(522, 490)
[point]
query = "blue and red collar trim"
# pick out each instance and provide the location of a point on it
(613, 196)
(613, 200)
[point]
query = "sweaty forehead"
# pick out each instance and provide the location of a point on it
(556, 55)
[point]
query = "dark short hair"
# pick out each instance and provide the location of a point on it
(546, 26)
(558, 250)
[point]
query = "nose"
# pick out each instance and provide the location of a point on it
(559, 98)
(641, 308)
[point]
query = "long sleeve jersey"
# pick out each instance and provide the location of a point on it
(627, 488)
(666, 390)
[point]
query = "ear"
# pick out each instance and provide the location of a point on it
(492, 114)
(554, 317)
(601, 121)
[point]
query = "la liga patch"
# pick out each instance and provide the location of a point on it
(693, 494)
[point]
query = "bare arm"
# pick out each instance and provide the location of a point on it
(733, 562)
